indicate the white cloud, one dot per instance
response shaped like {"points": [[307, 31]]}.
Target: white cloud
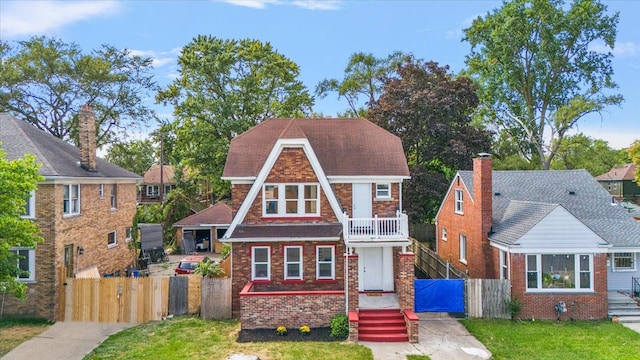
{"points": [[159, 58], [458, 33], [624, 49], [19, 18], [305, 4]]}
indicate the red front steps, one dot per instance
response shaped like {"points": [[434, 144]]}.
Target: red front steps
{"points": [[378, 325]]}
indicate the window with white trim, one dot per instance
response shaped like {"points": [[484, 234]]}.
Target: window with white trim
{"points": [[443, 231], [260, 263], [71, 200], [167, 189], [293, 262], [463, 248], [559, 272], [624, 261], [383, 191], [153, 190], [112, 239], [101, 191], [290, 200], [30, 206], [325, 262], [114, 196], [504, 265], [127, 234], [26, 263], [459, 203]]}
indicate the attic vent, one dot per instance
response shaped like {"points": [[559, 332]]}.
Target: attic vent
{"points": [[496, 193], [572, 192], [613, 201]]}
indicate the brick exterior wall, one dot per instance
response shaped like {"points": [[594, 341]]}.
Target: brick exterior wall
{"points": [[404, 280], [580, 306], [353, 295], [268, 311], [87, 230]]}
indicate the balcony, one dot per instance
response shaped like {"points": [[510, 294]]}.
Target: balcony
{"points": [[376, 230]]}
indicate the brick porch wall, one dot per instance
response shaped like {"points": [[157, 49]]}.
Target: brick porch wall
{"points": [[292, 309], [354, 298], [404, 281]]}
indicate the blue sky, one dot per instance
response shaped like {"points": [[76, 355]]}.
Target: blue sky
{"points": [[318, 35]]}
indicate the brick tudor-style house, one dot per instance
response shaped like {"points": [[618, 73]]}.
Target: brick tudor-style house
{"points": [[318, 226], [84, 208], [558, 236]]}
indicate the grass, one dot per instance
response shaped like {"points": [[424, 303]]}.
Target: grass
{"points": [[15, 331], [418, 357], [193, 338], [541, 340]]}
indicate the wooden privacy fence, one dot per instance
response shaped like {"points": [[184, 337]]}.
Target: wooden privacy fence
{"points": [[143, 299], [487, 298], [427, 261]]}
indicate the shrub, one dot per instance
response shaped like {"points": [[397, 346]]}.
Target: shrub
{"points": [[340, 326], [226, 249], [513, 306], [208, 268], [281, 330], [305, 330]]}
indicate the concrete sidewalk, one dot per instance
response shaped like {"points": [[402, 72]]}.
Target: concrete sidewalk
{"points": [[441, 338], [65, 341]]}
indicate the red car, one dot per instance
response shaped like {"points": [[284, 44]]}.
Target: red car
{"points": [[189, 263]]}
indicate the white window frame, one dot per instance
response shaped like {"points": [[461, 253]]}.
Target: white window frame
{"points": [[127, 233], [627, 255], [281, 200], [114, 196], [463, 248], [31, 257], [504, 265], [254, 263], [458, 201], [443, 233], [167, 189], [382, 192], [288, 262], [30, 206], [577, 271], [332, 262], [115, 239], [153, 190], [101, 191], [68, 198]]}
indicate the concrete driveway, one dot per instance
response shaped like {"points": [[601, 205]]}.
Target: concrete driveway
{"points": [[69, 340], [441, 338]]}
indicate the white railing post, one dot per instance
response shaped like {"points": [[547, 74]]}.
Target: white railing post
{"points": [[345, 226], [376, 230]]}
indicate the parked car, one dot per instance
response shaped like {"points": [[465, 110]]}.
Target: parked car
{"points": [[189, 263]]}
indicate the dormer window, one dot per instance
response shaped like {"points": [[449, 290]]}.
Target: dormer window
{"points": [[291, 200], [459, 203]]}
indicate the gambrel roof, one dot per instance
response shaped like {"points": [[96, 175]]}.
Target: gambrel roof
{"points": [[521, 199], [58, 158], [619, 172], [344, 147]]}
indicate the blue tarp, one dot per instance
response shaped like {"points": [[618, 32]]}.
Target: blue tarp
{"points": [[439, 295]]}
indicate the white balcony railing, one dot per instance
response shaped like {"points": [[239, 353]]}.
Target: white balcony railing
{"points": [[376, 228]]}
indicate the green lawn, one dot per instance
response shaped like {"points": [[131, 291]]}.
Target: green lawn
{"points": [[555, 340], [14, 332], [192, 338]]}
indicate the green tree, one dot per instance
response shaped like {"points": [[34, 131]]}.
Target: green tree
{"points": [[539, 71], [363, 76], [634, 154], [136, 155], [431, 111], [582, 152], [18, 179], [225, 87], [45, 82]]}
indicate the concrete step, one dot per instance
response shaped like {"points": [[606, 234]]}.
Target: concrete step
{"points": [[624, 312], [629, 319], [384, 337]]}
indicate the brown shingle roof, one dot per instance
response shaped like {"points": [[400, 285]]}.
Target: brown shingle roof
{"points": [[624, 172], [152, 176], [344, 147], [219, 213], [283, 231]]}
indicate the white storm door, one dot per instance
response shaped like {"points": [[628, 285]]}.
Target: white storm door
{"points": [[370, 269]]}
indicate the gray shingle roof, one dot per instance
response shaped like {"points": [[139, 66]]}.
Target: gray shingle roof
{"points": [[58, 158], [525, 197]]}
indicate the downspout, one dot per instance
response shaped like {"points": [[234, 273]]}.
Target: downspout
{"points": [[346, 281]]}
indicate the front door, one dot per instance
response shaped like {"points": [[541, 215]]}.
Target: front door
{"points": [[361, 201], [370, 269]]}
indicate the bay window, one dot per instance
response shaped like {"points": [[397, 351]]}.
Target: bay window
{"points": [[290, 200], [559, 272]]}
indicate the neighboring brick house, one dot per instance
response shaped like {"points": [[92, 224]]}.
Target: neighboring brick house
{"points": [[157, 183], [318, 221], [557, 235], [620, 183], [84, 208]]}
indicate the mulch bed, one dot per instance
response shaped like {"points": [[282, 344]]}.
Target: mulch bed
{"points": [[263, 335]]}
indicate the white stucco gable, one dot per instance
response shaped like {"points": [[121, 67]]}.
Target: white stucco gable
{"points": [[559, 231]]}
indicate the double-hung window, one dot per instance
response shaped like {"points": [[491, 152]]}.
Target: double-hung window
{"points": [[559, 272], [101, 191], [459, 203], [624, 261], [463, 248], [261, 263], [153, 190], [112, 240], [114, 196], [444, 233], [26, 263], [293, 262], [504, 265], [127, 234], [325, 263], [383, 191], [71, 202], [291, 200], [30, 206]]}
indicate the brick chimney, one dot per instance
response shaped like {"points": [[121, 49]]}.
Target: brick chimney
{"points": [[482, 190], [87, 130]]}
